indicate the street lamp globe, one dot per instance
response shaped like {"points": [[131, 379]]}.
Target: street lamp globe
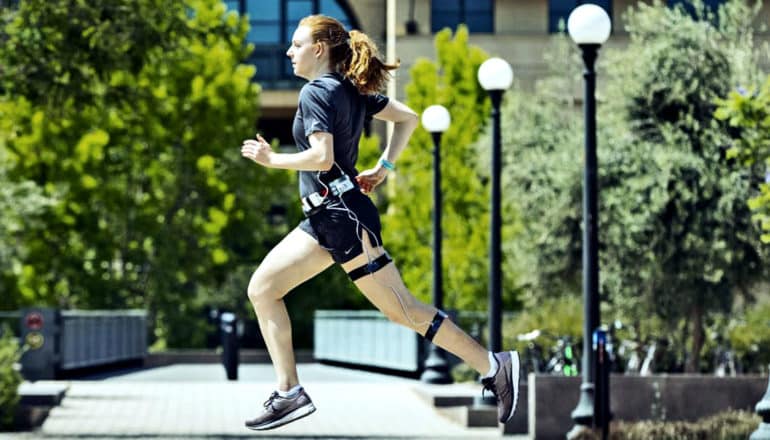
{"points": [[589, 24], [436, 119], [495, 74]]}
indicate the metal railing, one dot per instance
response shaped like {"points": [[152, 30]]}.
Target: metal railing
{"points": [[365, 337], [91, 338], [58, 340]]}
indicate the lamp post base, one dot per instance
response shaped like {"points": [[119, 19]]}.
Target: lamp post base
{"points": [[763, 409], [580, 432], [762, 433], [583, 414]]}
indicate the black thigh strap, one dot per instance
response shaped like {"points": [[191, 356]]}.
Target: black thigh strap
{"points": [[372, 267], [434, 325]]}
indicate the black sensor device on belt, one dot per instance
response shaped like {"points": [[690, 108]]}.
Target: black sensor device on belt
{"points": [[438, 319], [312, 203], [370, 267]]}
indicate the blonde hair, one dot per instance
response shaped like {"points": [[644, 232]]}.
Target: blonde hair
{"points": [[352, 53]]}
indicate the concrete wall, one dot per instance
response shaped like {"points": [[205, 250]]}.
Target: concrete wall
{"points": [[551, 399]]}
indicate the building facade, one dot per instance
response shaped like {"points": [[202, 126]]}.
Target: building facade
{"points": [[516, 30]]}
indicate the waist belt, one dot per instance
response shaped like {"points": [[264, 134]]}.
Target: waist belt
{"points": [[312, 203]]}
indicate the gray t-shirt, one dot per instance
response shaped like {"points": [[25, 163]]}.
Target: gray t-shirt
{"points": [[332, 104]]}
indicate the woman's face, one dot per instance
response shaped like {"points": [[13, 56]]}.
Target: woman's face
{"points": [[302, 53]]}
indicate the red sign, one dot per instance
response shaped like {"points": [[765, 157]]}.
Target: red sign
{"points": [[34, 321]]}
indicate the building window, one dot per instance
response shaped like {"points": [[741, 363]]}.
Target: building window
{"points": [[559, 10], [478, 15], [272, 23]]}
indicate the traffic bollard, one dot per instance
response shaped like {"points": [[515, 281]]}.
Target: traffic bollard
{"points": [[228, 330]]}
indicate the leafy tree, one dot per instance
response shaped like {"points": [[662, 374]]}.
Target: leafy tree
{"points": [[129, 115], [23, 206], [675, 237], [10, 378], [749, 336], [542, 144], [748, 115], [449, 81], [668, 184]]}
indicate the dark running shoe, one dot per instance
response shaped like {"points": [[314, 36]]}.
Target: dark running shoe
{"points": [[282, 410], [505, 384]]}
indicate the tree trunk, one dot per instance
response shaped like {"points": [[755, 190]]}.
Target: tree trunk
{"points": [[696, 317]]}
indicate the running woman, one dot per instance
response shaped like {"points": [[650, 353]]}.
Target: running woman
{"points": [[345, 76]]}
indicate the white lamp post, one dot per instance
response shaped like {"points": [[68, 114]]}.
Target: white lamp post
{"points": [[436, 120], [495, 76], [589, 26], [763, 409]]}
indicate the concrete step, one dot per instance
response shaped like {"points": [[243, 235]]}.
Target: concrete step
{"points": [[470, 416], [42, 393], [457, 402], [35, 402]]}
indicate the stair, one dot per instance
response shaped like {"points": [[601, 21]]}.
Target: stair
{"points": [[456, 402]]}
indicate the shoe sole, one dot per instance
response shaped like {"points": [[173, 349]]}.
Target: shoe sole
{"points": [[297, 414], [515, 368]]}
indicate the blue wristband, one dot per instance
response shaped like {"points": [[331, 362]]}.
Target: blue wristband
{"points": [[387, 164]]}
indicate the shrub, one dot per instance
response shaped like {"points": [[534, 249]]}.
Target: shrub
{"points": [[729, 425], [10, 378]]}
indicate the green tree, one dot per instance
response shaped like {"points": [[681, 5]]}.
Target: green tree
{"points": [[748, 114], [542, 146], [23, 206], [449, 81], [675, 237], [10, 378], [670, 193], [129, 115]]}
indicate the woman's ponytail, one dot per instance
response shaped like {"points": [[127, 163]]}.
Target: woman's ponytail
{"points": [[352, 53], [364, 67]]}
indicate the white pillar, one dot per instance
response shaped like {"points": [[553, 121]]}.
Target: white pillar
{"points": [[390, 42]]}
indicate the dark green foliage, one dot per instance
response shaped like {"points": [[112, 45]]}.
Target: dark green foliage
{"points": [[10, 378], [676, 237], [542, 147], [748, 334], [128, 115]]}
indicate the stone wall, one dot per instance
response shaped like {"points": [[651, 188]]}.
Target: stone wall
{"points": [[551, 399]]}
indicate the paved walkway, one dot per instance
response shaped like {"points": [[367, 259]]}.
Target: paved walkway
{"points": [[196, 401]]}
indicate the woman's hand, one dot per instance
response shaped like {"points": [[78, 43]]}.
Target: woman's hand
{"points": [[257, 150], [369, 179]]}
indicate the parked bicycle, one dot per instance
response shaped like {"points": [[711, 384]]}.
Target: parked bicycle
{"points": [[560, 358]]}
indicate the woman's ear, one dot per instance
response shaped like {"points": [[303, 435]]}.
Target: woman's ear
{"points": [[319, 49]]}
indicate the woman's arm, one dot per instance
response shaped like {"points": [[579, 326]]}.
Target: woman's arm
{"points": [[404, 120], [319, 157]]}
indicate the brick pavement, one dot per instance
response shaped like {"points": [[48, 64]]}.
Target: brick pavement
{"points": [[196, 402]]}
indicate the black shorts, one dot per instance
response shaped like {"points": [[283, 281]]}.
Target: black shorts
{"points": [[340, 226]]}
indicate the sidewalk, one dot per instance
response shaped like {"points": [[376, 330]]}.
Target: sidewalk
{"points": [[196, 401]]}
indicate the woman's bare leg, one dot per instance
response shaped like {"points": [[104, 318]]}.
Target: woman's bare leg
{"points": [[385, 287], [297, 258]]}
